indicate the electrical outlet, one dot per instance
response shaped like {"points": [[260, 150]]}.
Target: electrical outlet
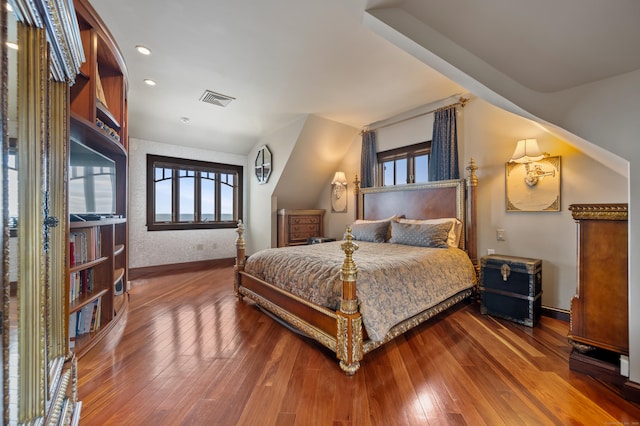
{"points": [[624, 365], [500, 234], [199, 247], [491, 251]]}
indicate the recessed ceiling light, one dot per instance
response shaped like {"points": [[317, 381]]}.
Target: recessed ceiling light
{"points": [[12, 45], [149, 82], [185, 120], [143, 49]]}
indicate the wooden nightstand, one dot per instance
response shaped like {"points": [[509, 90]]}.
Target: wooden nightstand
{"points": [[295, 227], [511, 288]]}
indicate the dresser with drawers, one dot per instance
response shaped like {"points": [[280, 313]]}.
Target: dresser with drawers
{"points": [[295, 227]]}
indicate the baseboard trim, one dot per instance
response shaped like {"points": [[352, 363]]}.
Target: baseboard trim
{"points": [[599, 364], [632, 391], [150, 271], [559, 314]]}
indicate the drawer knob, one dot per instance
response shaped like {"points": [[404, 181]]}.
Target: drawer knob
{"points": [[505, 271]]}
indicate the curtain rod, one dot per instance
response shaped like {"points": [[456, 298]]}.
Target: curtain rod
{"points": [[461, 102]]}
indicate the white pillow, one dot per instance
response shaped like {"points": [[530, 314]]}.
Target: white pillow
{"points": [[453, 239]]}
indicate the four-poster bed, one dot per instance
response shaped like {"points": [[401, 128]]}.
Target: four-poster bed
{"points": [[349, 319]]}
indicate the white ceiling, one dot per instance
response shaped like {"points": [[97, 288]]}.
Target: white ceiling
{"points": [[283, 58]]}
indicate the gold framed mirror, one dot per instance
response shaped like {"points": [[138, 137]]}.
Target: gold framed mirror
{"points": [[38, 374]]}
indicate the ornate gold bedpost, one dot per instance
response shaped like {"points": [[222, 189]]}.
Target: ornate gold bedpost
{"points": [[356, 191], [349, 339], [472, 230], [240, 258]]}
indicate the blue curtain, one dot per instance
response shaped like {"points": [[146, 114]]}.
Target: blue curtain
{"points": [[443, 161], [368, 160]]}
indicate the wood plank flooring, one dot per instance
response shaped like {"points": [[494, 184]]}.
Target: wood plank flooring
{"points": [[191, 353]]}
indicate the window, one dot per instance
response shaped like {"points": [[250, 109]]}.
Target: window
{"points": [[409, 164], [191, 194]]}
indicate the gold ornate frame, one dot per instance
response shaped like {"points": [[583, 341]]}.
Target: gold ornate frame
{"points": [[43, 391], [544, 196]]}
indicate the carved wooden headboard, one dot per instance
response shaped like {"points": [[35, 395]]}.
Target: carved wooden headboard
{"points": [[422, 201]]}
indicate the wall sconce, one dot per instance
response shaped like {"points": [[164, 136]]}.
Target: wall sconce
{"points": [[527, 151], [339, 183], [338, 202]]}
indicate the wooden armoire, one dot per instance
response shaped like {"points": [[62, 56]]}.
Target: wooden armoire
{"points": [[600, 309]]}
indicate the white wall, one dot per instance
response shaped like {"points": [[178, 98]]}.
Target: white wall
{"points": [[149, 248], [490, 137], [261, 215], [335, 224], [306, 154]]}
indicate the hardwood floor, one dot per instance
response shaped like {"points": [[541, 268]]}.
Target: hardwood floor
{"points": [[191, 353]]}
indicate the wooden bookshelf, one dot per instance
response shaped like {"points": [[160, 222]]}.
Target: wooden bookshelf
{"points": [[84, 300], [86, 265], [106, 269], [118, 249], [98, 120]]}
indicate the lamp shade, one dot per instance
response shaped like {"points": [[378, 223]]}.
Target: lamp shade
{"points": [[527, 150], [340, 178]]}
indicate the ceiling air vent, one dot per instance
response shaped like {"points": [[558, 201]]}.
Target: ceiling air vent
{"points": [[216, 98]]}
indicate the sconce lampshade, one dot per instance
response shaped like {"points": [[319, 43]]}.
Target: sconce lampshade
{"points": [[527, 151], [339, 178]]}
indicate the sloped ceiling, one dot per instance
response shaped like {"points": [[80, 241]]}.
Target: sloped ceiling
{"points": [[319, 148], [544, 45]]}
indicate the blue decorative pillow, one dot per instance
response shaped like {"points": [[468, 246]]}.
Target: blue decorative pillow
{"points": [[375, 232], [425, 235]]}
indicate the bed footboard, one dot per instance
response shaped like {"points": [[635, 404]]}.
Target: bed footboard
{"points": [[349, 345], [348, 333]]}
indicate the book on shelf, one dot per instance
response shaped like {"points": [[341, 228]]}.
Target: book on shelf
{"points": [[81, 283], [86, 320], [79, 247], [72, 250], [73, 329], [84, 245], [95, 318], [73, 287]]}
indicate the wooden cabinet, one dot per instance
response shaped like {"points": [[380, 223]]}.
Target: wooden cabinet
{"points": [[599, 310], [295, 227], [98, 118], [99, 95]]}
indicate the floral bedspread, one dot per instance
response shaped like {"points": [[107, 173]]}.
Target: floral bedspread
{"points": [[394, 281]]}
